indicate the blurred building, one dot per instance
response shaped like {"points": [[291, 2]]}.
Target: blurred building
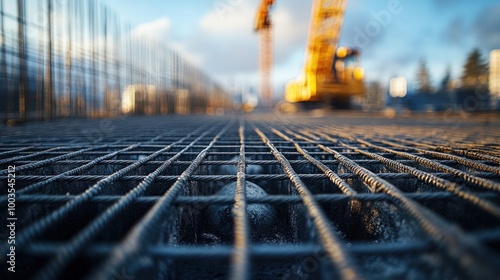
{"points": [[398, 87], [375, 98], [494, 79], [146, 100], [112, 103]]}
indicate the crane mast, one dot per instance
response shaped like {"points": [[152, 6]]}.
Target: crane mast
{"points": [[263, 26]]}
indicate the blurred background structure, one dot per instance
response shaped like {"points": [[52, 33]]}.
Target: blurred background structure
{"points": [[61, 59], [494, 78], [78, 59]]}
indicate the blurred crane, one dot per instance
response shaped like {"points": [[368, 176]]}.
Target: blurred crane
{"points": [[331, 74], [264, 27]]}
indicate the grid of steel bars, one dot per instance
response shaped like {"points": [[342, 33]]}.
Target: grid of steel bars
{"points": [[61, 59], [353, 201]]}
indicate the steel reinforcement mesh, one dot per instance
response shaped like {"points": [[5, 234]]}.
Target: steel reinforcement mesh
{"points": [[252, 197]]}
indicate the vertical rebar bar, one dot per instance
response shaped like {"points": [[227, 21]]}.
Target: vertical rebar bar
{"points": [[40, 63], [69, 64], [83, 100], [49, 86], [58, 78], [128, 55], [3, 58], [93, 24], [79, 53], [117, 59], [107, 95], [22, 59]]}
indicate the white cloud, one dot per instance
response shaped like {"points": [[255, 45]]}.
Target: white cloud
{"points": [[290, 34], [157, 29], [230, 45], [186, 53], [226, 46], [228, 19]]}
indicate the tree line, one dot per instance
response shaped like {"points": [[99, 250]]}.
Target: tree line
{"points": [[474, 75]]}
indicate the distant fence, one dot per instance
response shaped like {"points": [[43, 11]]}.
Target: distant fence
{"points": [[78, 59]]}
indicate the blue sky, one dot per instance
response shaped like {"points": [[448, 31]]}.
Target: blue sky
{"points": [[217, 34]]}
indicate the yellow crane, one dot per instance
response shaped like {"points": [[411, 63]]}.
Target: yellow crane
{"points": [[264, 27], [331, 74]]}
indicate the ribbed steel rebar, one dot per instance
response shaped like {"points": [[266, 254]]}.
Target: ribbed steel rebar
{"points": [[332, 245], [141, 234], [352, 200]]}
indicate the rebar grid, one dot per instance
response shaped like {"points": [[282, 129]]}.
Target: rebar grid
{"points": [[351, 199]]}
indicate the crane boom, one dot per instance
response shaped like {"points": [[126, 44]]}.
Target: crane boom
{"points": [[327, 17], [263, 18]]}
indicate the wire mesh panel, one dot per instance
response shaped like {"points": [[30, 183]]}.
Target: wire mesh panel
{"points": [[251, 197]]}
